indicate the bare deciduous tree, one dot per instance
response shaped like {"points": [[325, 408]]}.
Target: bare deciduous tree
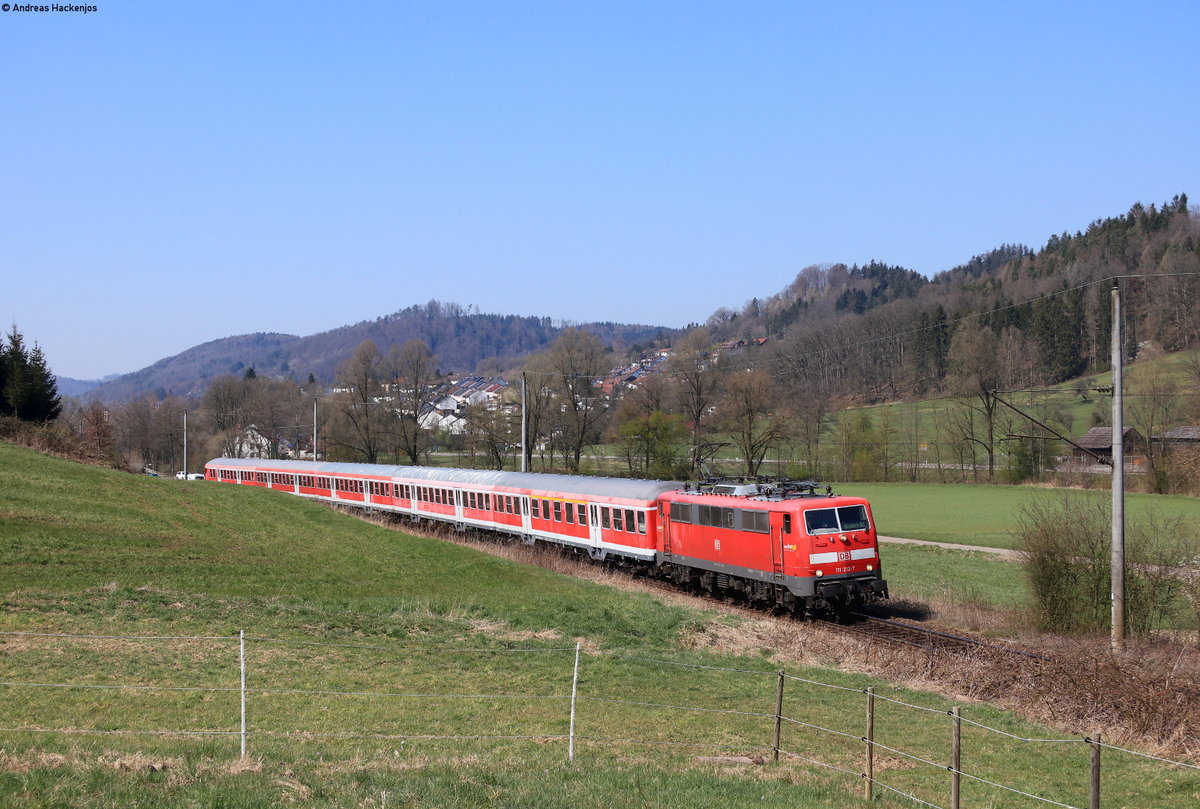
{"points": [[749, 410], [574, 362], [697, 379], [414, 380], [362, 422]]}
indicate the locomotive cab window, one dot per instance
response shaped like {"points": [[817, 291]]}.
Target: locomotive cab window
{"points": [[853, 518], [832, 520]]}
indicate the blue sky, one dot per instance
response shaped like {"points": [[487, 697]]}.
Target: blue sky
{"points": [[172, 173]]}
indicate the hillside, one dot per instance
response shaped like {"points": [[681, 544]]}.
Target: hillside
{"points": [[1009, 318], [460, 339]]}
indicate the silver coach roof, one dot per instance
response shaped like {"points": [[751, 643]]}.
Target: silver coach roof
{"points": [[572, 484]]}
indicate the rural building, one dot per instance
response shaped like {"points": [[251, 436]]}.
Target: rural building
{"points": [[1099, 440]]}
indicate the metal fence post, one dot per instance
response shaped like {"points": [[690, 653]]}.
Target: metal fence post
{"points": [[574, 694], [778, 714], [1094, 786], [955, 757], [869, 774], [242, 665]]}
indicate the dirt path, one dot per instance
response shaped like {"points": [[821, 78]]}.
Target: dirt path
{"points": [[954, 546]]}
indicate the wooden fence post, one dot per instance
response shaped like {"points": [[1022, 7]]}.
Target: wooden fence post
{"points": [[869, 774], [956, 758], [574, 696], [1094, 786], [778, 714], [242, 667]]}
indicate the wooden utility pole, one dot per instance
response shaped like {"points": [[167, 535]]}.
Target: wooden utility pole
{"points": [[524, 423], [1118, 480]]}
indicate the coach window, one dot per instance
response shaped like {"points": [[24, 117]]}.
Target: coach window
{"points": [[618, 523], [604, 523], [581, 511], [641, 522], [570, 509], [557, 511]]}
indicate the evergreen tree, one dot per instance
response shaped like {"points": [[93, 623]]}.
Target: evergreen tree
{"points": [[5, 407], [30, 391]]}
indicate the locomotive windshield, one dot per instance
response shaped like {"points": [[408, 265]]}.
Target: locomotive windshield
{"points": [[832, 520]]}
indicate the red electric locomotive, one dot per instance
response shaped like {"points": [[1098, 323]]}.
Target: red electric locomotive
{"points": [[780, 544], [775, 543]]}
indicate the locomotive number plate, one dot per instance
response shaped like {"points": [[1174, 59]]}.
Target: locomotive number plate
{"points": [[843, 556]]}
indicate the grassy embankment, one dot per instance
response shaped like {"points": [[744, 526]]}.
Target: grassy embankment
{"points": [[89, 551]]}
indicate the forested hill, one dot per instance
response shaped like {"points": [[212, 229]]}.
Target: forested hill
{"points": [[1012, 317], [461, 340]]}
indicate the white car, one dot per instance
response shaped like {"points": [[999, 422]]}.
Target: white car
{"points": [[189, 476]]}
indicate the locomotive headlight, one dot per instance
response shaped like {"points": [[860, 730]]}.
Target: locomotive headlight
{"points": [[820, 574], [870, 568]]}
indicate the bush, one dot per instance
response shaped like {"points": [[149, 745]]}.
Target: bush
{"points": [[1066, 552]]}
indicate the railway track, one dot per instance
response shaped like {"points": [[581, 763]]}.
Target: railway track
{"points": [[886, 630]]}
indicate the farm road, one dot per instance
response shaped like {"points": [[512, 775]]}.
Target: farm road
{"points": [[954, 546]]}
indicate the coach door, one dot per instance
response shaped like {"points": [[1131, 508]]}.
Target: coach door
{"points": [[526, 522], [594, 536], [458, 504]]}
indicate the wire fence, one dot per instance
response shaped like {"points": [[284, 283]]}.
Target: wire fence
{"points": [[255, 690]]}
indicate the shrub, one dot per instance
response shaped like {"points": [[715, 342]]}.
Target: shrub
{"points": [[1066, 553]]}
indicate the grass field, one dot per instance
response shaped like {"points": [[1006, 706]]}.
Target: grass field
{"points": [[359, 636], [988, 515]]}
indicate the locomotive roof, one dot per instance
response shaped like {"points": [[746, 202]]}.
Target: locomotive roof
{"points": [[624, 488]]}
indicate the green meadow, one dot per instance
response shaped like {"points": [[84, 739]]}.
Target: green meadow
{"points": [[385, 669]]}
